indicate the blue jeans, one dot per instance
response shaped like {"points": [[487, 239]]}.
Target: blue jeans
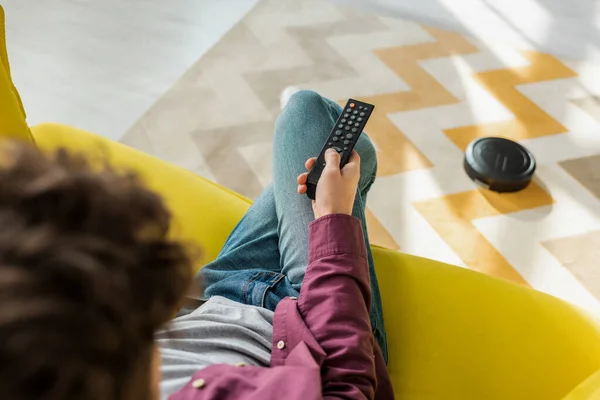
{"points": [[266, 255]]}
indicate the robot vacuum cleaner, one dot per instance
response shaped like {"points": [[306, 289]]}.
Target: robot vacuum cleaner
{"points": [[499, 164]]}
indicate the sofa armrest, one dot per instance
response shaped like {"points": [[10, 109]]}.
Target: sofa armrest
{"points": [[12, 113], [204, 212], [587, 390]]}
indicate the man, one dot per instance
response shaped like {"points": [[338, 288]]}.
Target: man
{"points": [[88, 276]]}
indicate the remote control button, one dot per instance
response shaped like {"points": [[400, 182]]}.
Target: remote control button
{"points": [[349, 136], [324, 164], [356, 112], [329, 144], [338, 132], [352, 105], [346, 148], [348, 110], [357, 124], [353, 117], [347, 128], [359, 119], [337, 149], [362, 114], [343, 120], [346, 115], [340, 126], [335, 138], [354, 130], [346, 142]]}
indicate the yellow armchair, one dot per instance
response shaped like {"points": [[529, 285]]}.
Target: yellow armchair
{"points": [[454, 334]]}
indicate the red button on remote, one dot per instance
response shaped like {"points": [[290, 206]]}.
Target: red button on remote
{"points": [[351, 105]]}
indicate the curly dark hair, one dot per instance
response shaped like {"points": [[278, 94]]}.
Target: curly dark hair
{"points": [[87, 276]]}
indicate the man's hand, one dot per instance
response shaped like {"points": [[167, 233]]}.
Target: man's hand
{"points": [[337, 188]]}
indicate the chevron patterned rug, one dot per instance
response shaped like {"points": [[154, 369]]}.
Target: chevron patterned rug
{"points": [[435, 91]]}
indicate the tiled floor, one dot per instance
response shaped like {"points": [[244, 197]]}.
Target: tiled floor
{"points": [[100, 65]]}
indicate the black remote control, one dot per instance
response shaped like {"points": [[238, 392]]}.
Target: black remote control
{"points": [[343, 138]]}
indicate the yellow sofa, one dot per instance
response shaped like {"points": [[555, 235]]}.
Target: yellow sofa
{"points": [[454, 334]]}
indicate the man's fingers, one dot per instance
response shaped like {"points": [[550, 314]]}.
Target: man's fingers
{"points": [[353, 161], [354, 158], [332, 159], [302, 178], [310, 163], [352, 168], [302, 189]]}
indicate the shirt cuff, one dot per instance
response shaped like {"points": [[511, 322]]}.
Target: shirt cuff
{"points": [[335, 234]]}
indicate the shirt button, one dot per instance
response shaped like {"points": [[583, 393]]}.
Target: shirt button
{"points": [[293, 298], [240, 364], [281, 345], [198, 383]]}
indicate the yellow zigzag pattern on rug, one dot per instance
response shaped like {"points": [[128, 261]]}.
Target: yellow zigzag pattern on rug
{"points": [[451, 216], [396, 152]]}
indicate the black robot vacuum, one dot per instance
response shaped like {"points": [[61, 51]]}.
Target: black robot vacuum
{"points": [[499, 164]]}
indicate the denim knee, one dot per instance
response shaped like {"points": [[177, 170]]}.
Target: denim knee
{"points": [[306, 99], [304, 108], [368, 156]]}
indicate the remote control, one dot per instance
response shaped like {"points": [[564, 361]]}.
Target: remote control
{"points": [[343, 138]]}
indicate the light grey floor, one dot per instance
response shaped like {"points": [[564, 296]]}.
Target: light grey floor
{"points": [[567, 28], [100, 64]]}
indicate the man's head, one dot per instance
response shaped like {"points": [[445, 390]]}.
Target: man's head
{"points": [[87, 275]]}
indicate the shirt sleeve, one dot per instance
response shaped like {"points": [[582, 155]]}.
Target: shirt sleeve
{"points": [[334, 303]]}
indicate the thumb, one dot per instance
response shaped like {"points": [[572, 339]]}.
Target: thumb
{"points": [[332, 159]]}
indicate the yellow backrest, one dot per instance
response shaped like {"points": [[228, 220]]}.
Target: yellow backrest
{"points": [[12, 113]]}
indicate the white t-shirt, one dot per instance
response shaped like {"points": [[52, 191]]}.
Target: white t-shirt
{"points": [[221, 331]]}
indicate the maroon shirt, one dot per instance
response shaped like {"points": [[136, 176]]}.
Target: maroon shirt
{"points": [[323, 347]]}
